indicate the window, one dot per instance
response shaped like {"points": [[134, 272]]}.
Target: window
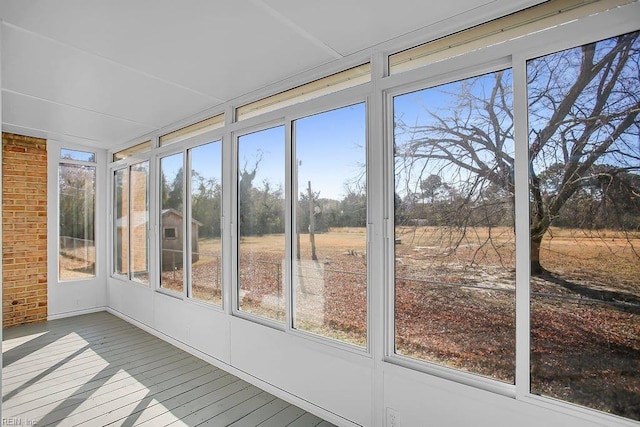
{"points": [[121, 222], [193, 130], [139, 224], [172, 216], [454, 226], [536, 18], [330, 84], [77, 200], [82, 156], [197, 195], [585, 234], [330, 278], [170, 232], [128, 152], [261, 223], [206, 216], [131, 222]]}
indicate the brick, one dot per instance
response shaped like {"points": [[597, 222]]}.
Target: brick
{"points": [[24, 228]]}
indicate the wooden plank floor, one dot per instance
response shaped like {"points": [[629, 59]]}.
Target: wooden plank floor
{"points": [[99, 370]]}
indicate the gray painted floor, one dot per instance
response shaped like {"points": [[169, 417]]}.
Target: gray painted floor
{"points": [[99, 370]]}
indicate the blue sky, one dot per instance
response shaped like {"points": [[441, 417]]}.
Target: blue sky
{"points": [[207, 160], [330, 148], [330, 151]]}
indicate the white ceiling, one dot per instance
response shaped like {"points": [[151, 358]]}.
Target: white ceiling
{"points": [[103, 73]]}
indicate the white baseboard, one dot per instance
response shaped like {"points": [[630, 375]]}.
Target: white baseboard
{"points": [[76, 313]]}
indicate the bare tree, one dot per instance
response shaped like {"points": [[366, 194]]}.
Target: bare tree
{"points": [[583, 119]]}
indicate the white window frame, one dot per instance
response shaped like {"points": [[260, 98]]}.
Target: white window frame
{"points": [[210, 137], [157, 215], [432, 368], [126, 166], [235, 229], [285, 117], [93, 164], [184, 147], [513, 54]]}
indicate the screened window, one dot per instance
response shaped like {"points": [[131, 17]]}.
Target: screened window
{"points": [[330, 84], [206, 215], [585, 229], [139, 223], [83, 156], [192, 130], [261, 223], [131, 222], [77, 200], [172, 217], [128, 152], [536, 18], [454, 226], [330, 279], [121, 222]]}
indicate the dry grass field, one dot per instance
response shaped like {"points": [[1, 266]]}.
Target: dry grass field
{"points": [[77, 264], [455, 304]]}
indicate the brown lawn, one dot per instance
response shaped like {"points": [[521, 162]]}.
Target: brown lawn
{"points": [[455, 304]]}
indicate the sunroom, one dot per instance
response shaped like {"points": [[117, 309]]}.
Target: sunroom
{"points": [[270, 212]]}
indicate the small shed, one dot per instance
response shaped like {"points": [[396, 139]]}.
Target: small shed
{"points": [[173, 239]]}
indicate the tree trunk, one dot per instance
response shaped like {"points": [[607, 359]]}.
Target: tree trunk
{"points": [[536, 267]]}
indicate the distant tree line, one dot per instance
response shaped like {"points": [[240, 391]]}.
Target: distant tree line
{"points": [[608, 199], [261, 205], [206, 200], [76, 186]]}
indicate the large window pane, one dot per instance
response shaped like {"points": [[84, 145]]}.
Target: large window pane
{"points": [[139, 224], [331, 214], [172, 222], [121, 222], [585, 229], [454, 226], [261, 222], [77, 186], [206, 203]]}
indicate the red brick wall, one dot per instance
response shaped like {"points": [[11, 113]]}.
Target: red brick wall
{"points": [[24, 229]]}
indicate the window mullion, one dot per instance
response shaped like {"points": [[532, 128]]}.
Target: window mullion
{"points": [[289, 223], [521, 180], [129, 254], [186, 224]]}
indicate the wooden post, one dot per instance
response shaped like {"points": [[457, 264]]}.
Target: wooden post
{"points": [[312, 225]]}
